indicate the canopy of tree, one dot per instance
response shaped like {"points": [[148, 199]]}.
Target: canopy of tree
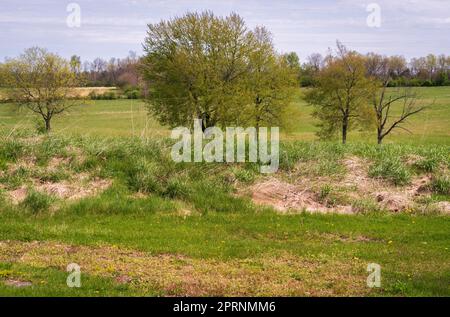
{"points": [[215, 69]]}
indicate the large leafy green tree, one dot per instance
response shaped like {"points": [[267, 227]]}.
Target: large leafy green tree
{"points": [[211, 68], [193, 65]]}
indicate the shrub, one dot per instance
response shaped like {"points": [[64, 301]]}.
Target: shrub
{"points": [[427, 83], [109, 95], [133, 94]]}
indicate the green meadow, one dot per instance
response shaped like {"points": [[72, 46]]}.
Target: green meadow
{"points": [[101, 191], [126, 117]]}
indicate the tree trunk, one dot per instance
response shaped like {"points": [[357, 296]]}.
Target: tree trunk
{"points": [[380, 137], [47, 125], [344, 130]]}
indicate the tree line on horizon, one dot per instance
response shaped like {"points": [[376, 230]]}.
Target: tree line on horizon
{"points": [[216, 69]]}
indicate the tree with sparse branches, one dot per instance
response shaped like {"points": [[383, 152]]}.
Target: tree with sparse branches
{"points": [[42, 82], [382, 69], [341, 94]]}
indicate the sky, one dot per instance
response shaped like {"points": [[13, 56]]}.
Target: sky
{"points": [[112, 28]]}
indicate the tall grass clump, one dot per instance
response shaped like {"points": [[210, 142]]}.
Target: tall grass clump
{"points": [[37, 202], [441, 185], [10, 150], [391, 169], [326, 157]]}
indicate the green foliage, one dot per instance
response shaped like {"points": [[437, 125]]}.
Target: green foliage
{"points": [[215, 69], [441, 185], [42, 82], [109, 95], [340, 95], [391, 169], [15, 178], [37, 202], [11, 149]]}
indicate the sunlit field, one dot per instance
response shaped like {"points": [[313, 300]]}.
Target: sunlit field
{"points": [[102, 191], [126, 117]]}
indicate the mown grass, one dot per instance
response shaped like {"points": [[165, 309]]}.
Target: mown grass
{"points": [[412, 251], [52, 282]]}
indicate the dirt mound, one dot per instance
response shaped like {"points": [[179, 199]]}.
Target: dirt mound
{"points": [[356, 185], [18, 195], [284, 197], [63, 190], [393, 202], [72, 191]]}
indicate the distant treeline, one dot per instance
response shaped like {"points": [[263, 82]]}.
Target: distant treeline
{"points": [[115, 72], [426, 71]]}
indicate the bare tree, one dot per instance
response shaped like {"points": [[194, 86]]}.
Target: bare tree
{"points": [[382, 70], [383, 102]]}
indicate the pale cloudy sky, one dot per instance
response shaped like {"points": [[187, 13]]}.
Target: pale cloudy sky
{"points": [[114, 27]]}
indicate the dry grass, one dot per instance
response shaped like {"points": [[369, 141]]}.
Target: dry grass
{"points": [[178, 275]]}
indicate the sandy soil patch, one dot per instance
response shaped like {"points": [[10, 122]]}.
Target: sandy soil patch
{"points": [[301, 194], [284, 197]]}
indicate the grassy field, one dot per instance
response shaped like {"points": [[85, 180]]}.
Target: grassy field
{"points": [[139, 224], [129, 118]]}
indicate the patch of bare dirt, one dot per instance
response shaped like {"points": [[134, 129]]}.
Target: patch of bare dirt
{"points": [[26, 163], [17, 283], [177, 275], [56, 162], [284, 197], [443, 207], [18, 195], [67, 190], [356, 185], [74, 190]]}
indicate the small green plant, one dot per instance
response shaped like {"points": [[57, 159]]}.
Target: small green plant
{"points": [[39, 125], [398, 288], [37, 202], [428, 165], [244, 175], [441, 185], [11, 149], [391, 169], [325, 192]]}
